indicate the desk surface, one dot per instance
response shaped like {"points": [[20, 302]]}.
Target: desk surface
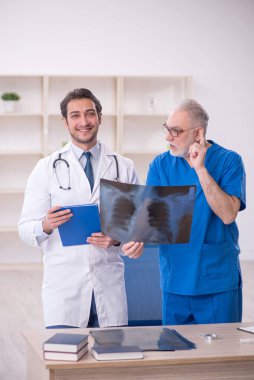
{"points": [[227, 349]]}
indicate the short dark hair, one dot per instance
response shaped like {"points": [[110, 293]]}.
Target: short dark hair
{"points": [[79, 93]]}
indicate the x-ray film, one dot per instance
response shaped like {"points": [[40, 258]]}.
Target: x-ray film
{"points": [[149, 214]]}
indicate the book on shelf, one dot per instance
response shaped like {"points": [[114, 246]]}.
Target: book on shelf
{"points": [[68, 356], [249, 329], [85, 221], [63, 342], [104, 352]]}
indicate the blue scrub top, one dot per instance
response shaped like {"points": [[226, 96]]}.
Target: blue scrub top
{"points": [[209, 262]]}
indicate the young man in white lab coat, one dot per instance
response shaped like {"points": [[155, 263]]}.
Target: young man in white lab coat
{"points": [[83, 286]]}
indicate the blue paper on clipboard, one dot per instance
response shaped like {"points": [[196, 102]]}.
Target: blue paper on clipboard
{"points": [[85, 221]]}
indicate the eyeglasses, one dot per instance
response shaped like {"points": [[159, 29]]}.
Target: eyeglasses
{"points": [[174, 132]]}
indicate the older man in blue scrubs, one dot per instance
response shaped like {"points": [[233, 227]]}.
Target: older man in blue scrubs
{"points": [[201, 280]]}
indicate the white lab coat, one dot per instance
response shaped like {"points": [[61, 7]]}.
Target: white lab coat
{"points": [[72, 273]]}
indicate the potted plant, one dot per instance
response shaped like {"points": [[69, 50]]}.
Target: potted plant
{"points": [[9, 100]]}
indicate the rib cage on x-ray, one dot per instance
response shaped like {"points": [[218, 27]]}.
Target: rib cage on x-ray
{"points": [[152, 214], [122, 212]]}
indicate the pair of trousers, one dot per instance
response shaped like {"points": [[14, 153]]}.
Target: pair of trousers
{"points": [[224, 307]]}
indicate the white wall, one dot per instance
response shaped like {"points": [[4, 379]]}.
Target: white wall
{"points": [[212, 40]]}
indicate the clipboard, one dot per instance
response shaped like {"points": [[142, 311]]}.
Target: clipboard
{"points": [[85, 221]]}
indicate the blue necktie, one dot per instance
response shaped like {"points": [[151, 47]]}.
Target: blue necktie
{"points": [[89, 169]]}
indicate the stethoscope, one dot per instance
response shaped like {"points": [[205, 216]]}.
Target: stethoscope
{"points": [[68, 187]]}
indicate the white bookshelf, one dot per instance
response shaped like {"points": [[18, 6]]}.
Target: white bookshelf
{"points": [[134, 108]]}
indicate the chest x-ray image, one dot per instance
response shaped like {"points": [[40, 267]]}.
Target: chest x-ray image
{"points": [[151, 214]]}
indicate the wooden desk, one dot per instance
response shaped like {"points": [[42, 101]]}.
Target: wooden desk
{"points": [[226, 358]]}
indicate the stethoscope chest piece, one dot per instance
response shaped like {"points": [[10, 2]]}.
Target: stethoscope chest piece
{"points": [[210, 337]]}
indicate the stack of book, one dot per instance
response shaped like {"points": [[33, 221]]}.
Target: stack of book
{"points": [[63, 346]]}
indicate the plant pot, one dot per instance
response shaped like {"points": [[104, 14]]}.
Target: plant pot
{"points": [[9, 106]]}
